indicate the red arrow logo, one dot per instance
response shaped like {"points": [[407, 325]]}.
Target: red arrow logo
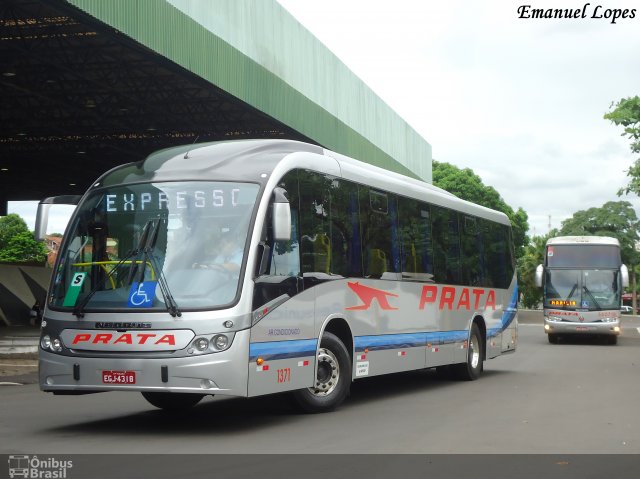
{"points": [[367, 295]]}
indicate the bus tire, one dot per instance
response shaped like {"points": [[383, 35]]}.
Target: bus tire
{"points": [[333, 377], [553, 338], [172, 401], [472, 368]]}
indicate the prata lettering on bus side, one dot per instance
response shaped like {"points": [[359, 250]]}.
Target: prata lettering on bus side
{"points": [[447, 297], [443, 297]]}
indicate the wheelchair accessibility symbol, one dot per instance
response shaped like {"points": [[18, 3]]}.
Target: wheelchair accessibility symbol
{"points": [[141, 294]]}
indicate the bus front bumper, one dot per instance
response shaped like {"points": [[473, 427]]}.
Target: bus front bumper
{"points": [[570, 327], [223, 373]]}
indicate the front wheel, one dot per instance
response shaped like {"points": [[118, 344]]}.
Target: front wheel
{"points": [[333, 377], [472, 368], [172, 401]]}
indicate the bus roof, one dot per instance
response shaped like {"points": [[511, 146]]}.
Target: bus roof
{"points": [[592, 240], [255, 160]]}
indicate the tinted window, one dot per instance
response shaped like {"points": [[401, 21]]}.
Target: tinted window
{"points": [[346, 257], [415, 234], [446, 245], [583, 256], [330, 236], [472, 245], [379, 231]]}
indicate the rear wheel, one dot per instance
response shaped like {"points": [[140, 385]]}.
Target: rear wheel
{"points": [[173, 401], [333, 377], [472, 368]]}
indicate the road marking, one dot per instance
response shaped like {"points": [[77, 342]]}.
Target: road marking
{"points": [[10, 384], [19, 365]]}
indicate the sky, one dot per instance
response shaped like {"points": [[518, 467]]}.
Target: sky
{"points": [[519, 101]]}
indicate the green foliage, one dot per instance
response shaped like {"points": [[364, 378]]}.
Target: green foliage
{"points": [[465, 184], [626, 113], [17, 244], [533, 255], [615, 218], [10, 225]]}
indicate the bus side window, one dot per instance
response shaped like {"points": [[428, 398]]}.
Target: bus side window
{"points": [[346, 252], [415, 240], [379, 231], [472, 251], [329, 228], [315, 229], [446, 245]]}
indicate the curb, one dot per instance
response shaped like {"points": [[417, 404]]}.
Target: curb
{"points": [[19, 347]]}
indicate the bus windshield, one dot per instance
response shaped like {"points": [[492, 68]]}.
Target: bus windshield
{"points": [[582, 289], [156, 244]]}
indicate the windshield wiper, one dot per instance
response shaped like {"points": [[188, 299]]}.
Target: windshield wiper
{"points": [[79, 309], [573, 290], [145, 246], [147, 255], [144, 239], [565, 301], [586, 290]]}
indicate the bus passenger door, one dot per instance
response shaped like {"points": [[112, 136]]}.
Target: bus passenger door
{"points": [[281, 352]]}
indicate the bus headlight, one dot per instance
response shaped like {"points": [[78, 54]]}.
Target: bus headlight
{"points": [[56, 345], [201, 344], [220, 342], [51, 344]]}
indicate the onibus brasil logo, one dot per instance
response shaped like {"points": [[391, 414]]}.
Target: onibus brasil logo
{"points": [[38, 468]]}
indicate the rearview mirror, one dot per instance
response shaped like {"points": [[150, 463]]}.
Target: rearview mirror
{"points": [[624, 273], [42, 215], [281, 215], [539, 271]]}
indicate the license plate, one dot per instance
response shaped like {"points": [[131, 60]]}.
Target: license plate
{"points": [[582, 328], [119, 377]]}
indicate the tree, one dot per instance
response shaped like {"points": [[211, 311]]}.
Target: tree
{"points": [[465, 184], [627, 114], [615, 218], [10, 225], [530, 294], [17, 244]]}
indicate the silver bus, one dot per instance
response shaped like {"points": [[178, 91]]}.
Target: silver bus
{"points": [[254, 267], [582, 279]]}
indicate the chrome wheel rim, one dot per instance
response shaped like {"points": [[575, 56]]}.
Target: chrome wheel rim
{"points": [[328, 373], [474, 352]]}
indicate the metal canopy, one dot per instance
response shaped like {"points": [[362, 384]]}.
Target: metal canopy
{"points": [[78, 98]]}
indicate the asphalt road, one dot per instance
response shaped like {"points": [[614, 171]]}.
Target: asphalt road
{"points": [[580, 397]]}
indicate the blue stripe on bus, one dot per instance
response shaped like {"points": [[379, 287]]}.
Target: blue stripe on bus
{"points": [[283, 349], [307, 347], [408, 340], [508, 315]]}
